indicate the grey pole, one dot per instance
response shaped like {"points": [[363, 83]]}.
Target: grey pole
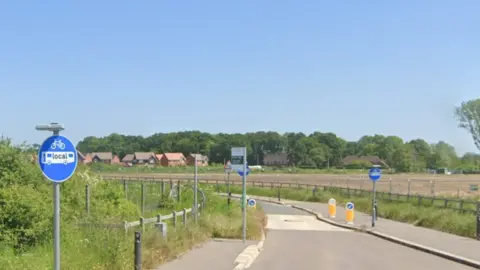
{"points": [[374, 209], [56, 220], [55, 128], [244, 196], [195, 188]]}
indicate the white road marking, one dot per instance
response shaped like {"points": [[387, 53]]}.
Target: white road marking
{"points": [[299, 223]]}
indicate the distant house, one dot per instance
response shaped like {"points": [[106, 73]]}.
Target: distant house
{"points": [[373, 160], [159, 157], [128, 159], [105, 157], [173, 159], [145, 158], [81, 158], [201, 160], [276, 159]]}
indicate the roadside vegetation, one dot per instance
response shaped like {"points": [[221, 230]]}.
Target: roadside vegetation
{"points": [[425, 215], [26, 220]]}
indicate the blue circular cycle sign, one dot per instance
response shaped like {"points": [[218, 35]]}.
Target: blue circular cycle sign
{"points": [[350, 206], [57, 158], [374, 174]]}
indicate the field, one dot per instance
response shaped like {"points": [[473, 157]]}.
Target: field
{"points": [[424, 184]]}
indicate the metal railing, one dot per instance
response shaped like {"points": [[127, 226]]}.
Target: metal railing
{"points": [[158, 220]]}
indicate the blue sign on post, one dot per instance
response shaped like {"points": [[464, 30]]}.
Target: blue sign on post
{"points": [[240, 172], [251, 202], [349, 206], [374, 174], [57, 158]]}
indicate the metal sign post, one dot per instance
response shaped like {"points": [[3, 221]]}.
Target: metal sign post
{"points": [[58, 159], [239, 156], [195, 188], [374, 174]]}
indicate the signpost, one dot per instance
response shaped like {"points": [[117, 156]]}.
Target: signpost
{"points": [[374, 174], [349, 214], [58, 159], [239, 163]]}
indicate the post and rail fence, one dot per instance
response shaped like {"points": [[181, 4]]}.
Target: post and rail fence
{"points": [[463, 205], [456, 203], [146, 195]]}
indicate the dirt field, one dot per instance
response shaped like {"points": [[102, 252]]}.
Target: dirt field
{"points": [[454, 185]]}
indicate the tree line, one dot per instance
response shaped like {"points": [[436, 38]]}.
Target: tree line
{"points": [[318, 150]]}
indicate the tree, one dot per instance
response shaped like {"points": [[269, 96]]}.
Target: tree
{"points": [[402, 159], [468, 116], [319, 149]]}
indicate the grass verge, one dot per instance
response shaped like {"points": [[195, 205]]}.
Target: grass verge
{"points": [[91, 248], [424, 215], [215, 168]]}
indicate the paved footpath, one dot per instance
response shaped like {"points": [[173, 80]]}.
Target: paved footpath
{"points": [[299, 241], [457, 245], [216, 254]]}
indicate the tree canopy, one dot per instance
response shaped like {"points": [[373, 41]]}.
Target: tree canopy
{"points": [[317, 150], [468, 116]]}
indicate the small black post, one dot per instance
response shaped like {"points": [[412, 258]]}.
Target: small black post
{"points": [[376, 210], [87, 199], [478, 220], [229, 198], [278, 193], [138, 251]]}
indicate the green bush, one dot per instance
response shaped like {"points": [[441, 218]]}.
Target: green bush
{"points": [[26, 220], [26, 200]]}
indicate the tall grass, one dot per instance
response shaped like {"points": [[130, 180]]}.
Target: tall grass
{"points": [[97, 248]]}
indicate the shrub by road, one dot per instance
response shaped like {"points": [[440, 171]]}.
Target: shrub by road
{"points": [[26, 221]]}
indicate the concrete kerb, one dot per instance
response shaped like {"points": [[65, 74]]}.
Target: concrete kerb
{"points": [[429, 250], [436, 252], [249, 254], [433, 251]]}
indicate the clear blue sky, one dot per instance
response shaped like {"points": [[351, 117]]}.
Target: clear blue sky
{"points": [[141, 67]]}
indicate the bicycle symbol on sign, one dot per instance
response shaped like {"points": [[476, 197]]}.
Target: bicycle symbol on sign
{"points": [[58, 143]]}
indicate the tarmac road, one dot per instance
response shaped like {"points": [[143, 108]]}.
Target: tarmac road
{"points": [[297, 241]]}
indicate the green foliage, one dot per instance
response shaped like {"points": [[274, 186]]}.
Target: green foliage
{"points": [[317, 150], [26, 200], [26, 219], [468, 116]]}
